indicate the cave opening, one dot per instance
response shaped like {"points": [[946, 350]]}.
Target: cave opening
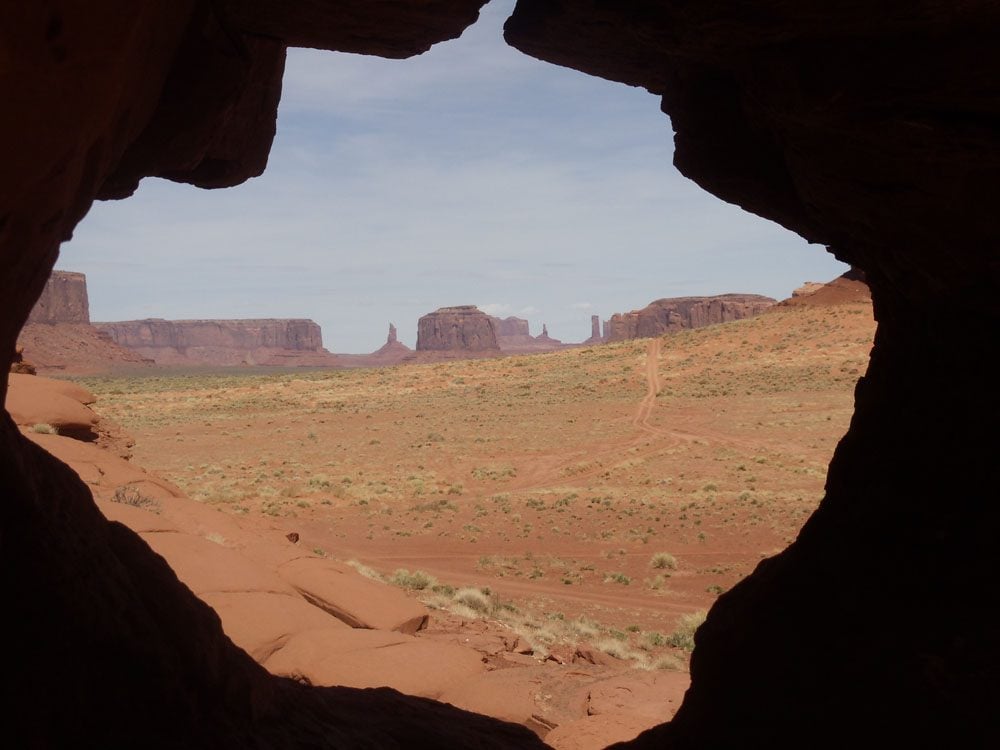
{"points": [[864, 134]]}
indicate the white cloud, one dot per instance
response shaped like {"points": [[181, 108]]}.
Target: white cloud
{"points": [[495, 308], [397, 187]]}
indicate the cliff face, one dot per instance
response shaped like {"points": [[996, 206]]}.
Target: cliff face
{"points": [[511, 326], [268, 341], [63, 300], [678, 313], [462, 328]]}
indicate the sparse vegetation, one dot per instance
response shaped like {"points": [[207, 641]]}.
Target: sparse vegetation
{"points": [[130, 495], [663, 561]]}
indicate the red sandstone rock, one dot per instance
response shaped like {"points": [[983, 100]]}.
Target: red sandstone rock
{"points": [[848, 288], [348, 596], [261, 622], [63, 300], [679, 313], [291, 342], [598, 732], [374, 658], [514, 337], [464, 328], [208, 567], [596, 337], [33, 400]]}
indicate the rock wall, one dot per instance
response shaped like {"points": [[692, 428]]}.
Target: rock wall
{"points": [[63, 300], [511, 326], [871, 135], [678, 313], [464, 328], [268, 341]]}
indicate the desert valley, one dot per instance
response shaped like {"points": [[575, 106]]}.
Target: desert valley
{"points": [[536, 529]]}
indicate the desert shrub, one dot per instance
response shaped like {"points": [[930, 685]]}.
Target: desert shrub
{"points": [[653, 639], [663, 561], [418, 580], [45, 429], [669, 663], [364, 570], [474, 599], [130, 495], [683, 636], [621, 578]]}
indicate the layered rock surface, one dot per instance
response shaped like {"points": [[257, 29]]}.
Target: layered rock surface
{"points": [[58, 336], [462, 328], [678, 313], [514, 337], [268, 341], [63, 300]]}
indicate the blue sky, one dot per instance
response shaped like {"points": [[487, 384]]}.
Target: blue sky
{"points": [[472, 174]]}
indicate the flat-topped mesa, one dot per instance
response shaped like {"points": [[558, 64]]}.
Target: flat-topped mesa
{"points": [[679, 313], [462, 328], [267, 341], [64, 300]]}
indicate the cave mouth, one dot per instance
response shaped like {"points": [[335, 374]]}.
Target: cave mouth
{"points": [[471, 172], [864, 135]]}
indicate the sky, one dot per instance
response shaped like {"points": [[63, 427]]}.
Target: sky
{"points": [[472, 174]]}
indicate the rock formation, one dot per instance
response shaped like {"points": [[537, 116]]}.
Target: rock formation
{"points": [[596, 337], [678, 313], [63, 300], [463, 328], [847, 288], [514, 337], [872, 134], [392, 351], [268, 341], [58, 336], [868, 136]]}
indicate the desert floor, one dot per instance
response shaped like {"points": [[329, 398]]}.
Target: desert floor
{"points": [[603, 492]]}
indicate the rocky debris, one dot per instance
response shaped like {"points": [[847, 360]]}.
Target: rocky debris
{"points": [[20, 365], [679, 313], [848, 288], [269, 341], [63, 300], [462, 328]]}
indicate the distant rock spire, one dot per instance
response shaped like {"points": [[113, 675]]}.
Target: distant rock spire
{"points": [[545, 331], [595, 327], [392, 334]]}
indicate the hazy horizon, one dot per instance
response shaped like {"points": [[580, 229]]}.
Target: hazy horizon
{"points": [[472, 174]]}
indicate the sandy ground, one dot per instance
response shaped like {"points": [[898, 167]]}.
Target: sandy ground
{"points": [[557, 480]]}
